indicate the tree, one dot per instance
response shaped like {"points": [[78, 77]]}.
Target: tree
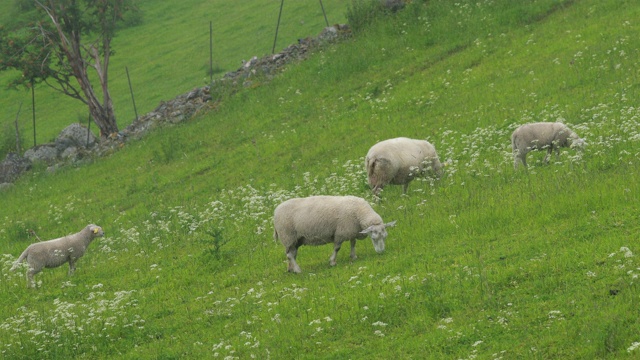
{"points": [[70, 38]]}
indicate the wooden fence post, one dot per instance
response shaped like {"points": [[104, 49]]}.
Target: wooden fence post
{"points": [[324, 13], [210, 52], [18, 147], [133, 99], [33, 110], [277, 26]]}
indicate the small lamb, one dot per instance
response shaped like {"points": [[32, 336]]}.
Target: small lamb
{"points": [[397, 161], [542, 135], [53, 253], [319, 220]]}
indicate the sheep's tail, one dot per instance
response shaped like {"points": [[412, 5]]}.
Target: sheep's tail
{"points": [[372, 177], [515, 150], [275, 235], [22, 257], [378, 173]]}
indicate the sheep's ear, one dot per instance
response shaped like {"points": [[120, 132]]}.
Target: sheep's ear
{"points": [[95, 230], [367, 230], [391, 224]]}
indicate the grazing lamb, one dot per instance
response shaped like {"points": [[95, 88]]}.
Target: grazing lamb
{"points": [[542, 135], [53, 253], [397, 161], [319, 220]]}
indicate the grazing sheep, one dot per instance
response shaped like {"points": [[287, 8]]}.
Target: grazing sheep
{"points": [[542, 135], [397, 161], [319, 220], [53, 253]]}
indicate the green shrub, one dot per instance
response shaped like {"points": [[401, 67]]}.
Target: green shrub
{"points": [[8, 140], [361, 13]]}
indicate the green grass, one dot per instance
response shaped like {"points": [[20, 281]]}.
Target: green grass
{"points": [[486, 263]]}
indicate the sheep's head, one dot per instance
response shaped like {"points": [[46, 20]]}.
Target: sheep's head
{"points": [[575, 142], [96, 230], [414, 171], [378, 234]]}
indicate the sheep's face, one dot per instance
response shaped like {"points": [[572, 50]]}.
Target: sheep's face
{"points": [[97, 231], [577, 143], [378, 234]]}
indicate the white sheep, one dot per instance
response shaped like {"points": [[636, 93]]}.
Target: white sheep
{"points": [[542, 135], [319, 220], [398, 161], [53, 253]]}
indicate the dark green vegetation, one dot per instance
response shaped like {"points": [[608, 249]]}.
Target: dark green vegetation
{"points": [[486, 263]]}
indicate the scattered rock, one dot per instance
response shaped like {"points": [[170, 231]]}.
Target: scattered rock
{"points": [[76, 135], [613, 292], [72, 142], [70, 153], [12, 167], [46, 153]]}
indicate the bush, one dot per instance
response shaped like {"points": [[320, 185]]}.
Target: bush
{"points": [[8, 140], [361, 13], [132, 18], [24, 5]]}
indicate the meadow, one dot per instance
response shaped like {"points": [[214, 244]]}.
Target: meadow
{"points": [[485, 263]]}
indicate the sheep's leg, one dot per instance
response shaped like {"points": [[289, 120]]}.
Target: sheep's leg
{"points": [[353, 249], [334, 256], [404, 188], [292, 252], [519, 159], [72, 267], [546, 158], [31, 283]]}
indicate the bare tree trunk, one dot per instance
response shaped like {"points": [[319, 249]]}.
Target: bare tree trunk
{"points": [[102, 113], [107, 123], [72, 48], [103, 116]]}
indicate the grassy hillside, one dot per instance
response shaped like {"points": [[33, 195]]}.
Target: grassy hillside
{"points": [[168, 54], [486, 263]]}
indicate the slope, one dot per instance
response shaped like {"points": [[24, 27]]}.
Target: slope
{"points": [[486, 263]]}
